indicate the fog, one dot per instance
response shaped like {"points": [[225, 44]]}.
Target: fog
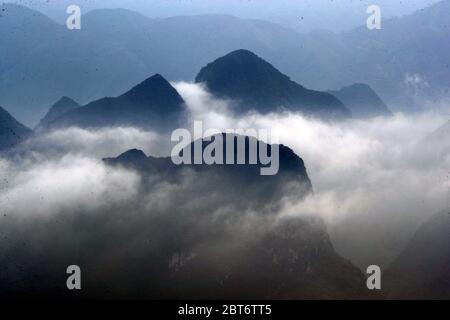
{"points": [[374, 185], [375, 181]]}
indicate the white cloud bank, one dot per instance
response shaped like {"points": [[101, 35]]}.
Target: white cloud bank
{"points": [[373, 182]]}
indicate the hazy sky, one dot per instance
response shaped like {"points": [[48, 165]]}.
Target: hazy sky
{"points": [[302, 15]]}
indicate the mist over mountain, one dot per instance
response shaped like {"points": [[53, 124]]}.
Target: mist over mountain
{"points": [[408, 55], [291, 177], [153, 103], [105, 59], [256, 85], [207, 242], [422, 268], [149, 223], [12, 132], [362, 101], [117, 48], [363, 191]]}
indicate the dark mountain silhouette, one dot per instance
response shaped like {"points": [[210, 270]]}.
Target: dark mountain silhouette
{"points": [[246, 178], [293, 258], [256, 85], [154, 104], [362, 101], [12, 132], [62, 106], [422, 269]]}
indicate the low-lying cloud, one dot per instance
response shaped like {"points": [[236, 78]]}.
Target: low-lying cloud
{"points": [[375, 181], [373, 186]]}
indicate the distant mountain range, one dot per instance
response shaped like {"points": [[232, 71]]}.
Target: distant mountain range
{"points": [[254, 84], [47, 61], [12, 132], [422, 269], [250, 82]]}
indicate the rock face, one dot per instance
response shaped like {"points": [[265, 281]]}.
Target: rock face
{"points": [[62, 106], [422, 270], [154, 104], [255, 84], [12, 132], [362, 101]]}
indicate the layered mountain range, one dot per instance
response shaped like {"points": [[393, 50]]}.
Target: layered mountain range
{"points": [[223, 231], [44, 59], [241, 77]]}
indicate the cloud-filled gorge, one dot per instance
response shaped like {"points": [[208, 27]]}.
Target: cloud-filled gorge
{"points": [[374, 183]]}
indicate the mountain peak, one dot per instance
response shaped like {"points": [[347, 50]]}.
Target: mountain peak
{"points": [[242, 53], [64, 99], [155, 90], [65, 103], [156, 79], [255, 84], [238, 64], [59, 108], [133, 155]]}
